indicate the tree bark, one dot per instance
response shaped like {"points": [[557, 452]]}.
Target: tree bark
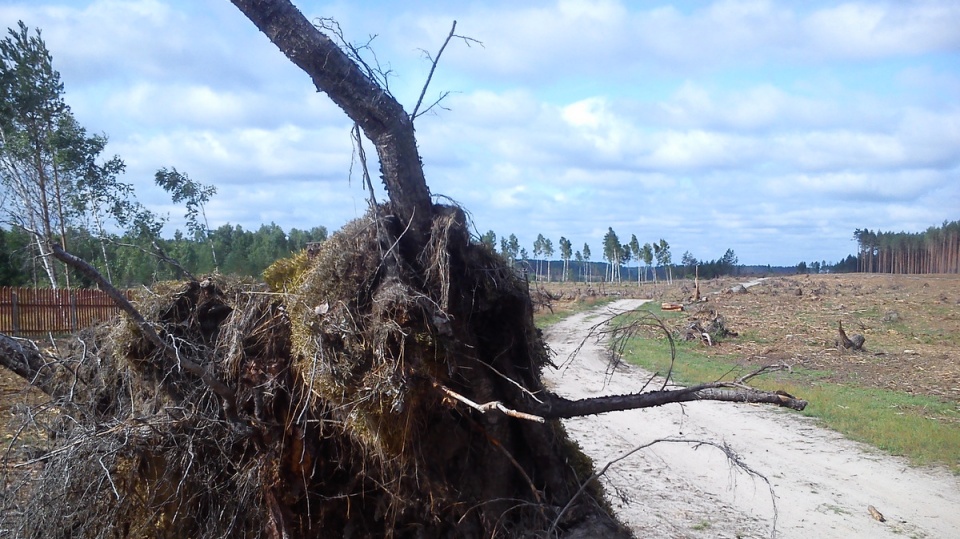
{"points": [[560, 408], [381, 117]]}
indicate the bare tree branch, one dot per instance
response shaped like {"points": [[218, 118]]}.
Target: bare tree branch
{"points": [[433, 67], [725, 391], [561, 408], [486, 407], [735, 460]]}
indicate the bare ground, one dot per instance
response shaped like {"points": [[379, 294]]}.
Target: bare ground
{"points": [[823, 484], [911, 324]]}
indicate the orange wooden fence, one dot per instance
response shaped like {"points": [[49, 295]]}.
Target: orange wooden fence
{"points": [[38, 311]]}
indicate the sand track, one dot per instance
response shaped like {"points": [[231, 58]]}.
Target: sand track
{"points": [[823, 482]]}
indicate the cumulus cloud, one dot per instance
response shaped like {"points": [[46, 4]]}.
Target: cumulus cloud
{"points": [[539, 45]]}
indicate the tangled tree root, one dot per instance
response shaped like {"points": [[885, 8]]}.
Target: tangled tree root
{"points": [[339, 428]]}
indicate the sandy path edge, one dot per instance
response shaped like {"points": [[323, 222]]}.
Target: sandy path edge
{"points": [[823, 482]]}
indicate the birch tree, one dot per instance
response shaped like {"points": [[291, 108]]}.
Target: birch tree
{"points": [[635, 250], [566, 249]]}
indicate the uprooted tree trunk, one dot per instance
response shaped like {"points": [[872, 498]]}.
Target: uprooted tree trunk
{"points": [[385, 385]]}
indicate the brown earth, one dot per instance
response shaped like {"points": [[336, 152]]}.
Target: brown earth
{"points": [[911, 324]]}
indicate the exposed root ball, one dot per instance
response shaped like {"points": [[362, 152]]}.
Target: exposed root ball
{"points": [[338, 426]]}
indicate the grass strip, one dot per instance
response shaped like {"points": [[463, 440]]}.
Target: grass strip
{"points": [[923, 429]]}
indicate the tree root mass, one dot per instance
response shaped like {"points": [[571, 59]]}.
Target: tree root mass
{"points": [[340, 429]]}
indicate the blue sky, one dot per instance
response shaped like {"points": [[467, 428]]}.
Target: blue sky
{"points": [[772, 128]]}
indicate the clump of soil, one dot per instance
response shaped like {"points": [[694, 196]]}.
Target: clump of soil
{"points": [[707, 326]]}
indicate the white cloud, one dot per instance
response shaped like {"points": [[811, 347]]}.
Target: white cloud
{"points": [[541, 45], [853, 187], [760, 107], [872, 30]]}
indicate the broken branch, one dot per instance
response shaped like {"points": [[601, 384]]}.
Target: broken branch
{"points": [[484, 408]]}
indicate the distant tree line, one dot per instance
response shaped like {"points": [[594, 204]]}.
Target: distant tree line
{"points": [[936, 250], [656, 257], [131, 259], [576, 264]]}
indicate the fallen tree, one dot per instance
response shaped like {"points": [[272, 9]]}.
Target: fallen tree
{"points": [[386, 384]]}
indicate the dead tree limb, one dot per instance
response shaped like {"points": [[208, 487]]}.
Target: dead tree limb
{"points": [[434, 60], [379, 115], [433, 68], [561, 408], [726, 391], [486, 407]]}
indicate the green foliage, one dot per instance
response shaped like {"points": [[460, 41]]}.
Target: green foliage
{"points": [[613, 253], [131, 263], [566, 251], [14, 258], [193, 194], [510, 248], [489, 238], [725, 265], [59, 188]]}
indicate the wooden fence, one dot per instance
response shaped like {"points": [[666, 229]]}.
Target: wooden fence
{"points": [[33, 312]]}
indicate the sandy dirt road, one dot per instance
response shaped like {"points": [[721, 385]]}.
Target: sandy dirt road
{"points": [[823, 483]]}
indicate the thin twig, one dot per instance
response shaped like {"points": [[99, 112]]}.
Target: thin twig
{"points": [[362, 157], [763, 370], [433, 67]]}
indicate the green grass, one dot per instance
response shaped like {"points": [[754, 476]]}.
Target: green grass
{"points": [[702, 525], [923, 429]]}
